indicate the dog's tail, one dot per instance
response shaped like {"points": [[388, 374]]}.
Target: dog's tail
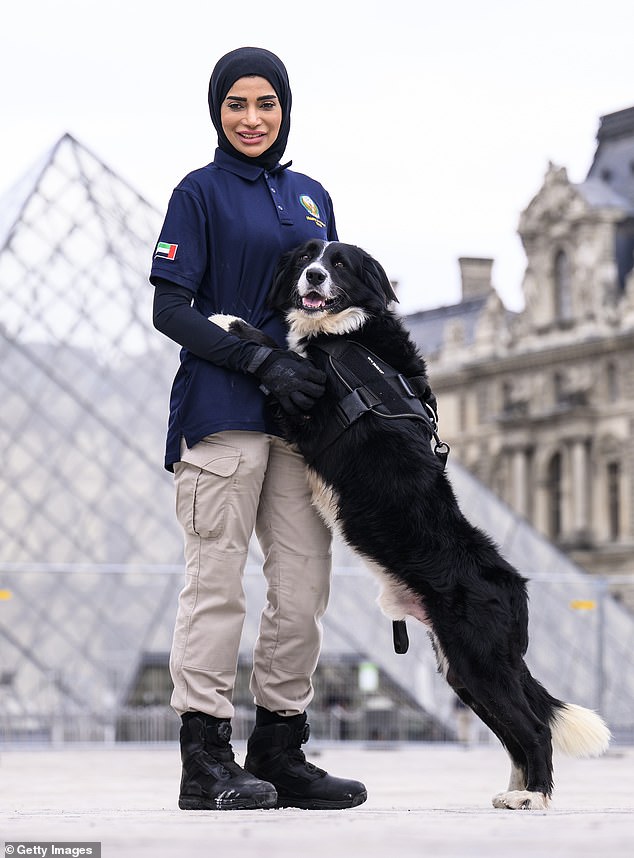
{"points": [[579, 732], [576, 731]]}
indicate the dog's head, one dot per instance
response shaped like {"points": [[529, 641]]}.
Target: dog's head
{"points": [[329, 287]]}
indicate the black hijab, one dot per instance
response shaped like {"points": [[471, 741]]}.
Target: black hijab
{"points": [[240, 63]]}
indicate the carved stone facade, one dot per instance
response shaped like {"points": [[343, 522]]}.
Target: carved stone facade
{"points": [[540, 404]]}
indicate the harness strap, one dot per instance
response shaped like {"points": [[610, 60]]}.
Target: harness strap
{"points": [[367, 383], [421, 390], [416, 386]]}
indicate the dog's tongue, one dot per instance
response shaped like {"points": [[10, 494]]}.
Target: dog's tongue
{"points": [[313, 301]]}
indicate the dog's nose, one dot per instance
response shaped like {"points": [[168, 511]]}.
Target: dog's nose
{"points": [[315, 276]]}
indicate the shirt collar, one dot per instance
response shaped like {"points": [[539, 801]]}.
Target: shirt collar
{"points": [[251, 172]]}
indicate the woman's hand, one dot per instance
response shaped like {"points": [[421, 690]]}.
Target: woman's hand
{"points": [[294, 381]]}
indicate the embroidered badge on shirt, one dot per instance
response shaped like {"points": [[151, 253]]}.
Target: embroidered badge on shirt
{"points": [[165, 250], [312, 208]]}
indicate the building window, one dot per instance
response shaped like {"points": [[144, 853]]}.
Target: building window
{"points": [[500, 482], [614, 500], [563, 295], [612, 379], [462, 413], [507, 397], [483, 408], [559, 388], [555, 497]]}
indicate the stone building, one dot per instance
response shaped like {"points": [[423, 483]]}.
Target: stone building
{"points": [[539, 404]]}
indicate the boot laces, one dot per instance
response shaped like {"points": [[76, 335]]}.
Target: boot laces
{"points": [[298, 756], [220, 750]]}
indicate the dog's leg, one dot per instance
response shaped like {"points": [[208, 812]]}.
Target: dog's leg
{"points": [[324, 498], [243, 330], [516, 755], [517, 781], [527, 741], [442, 662], [585, 731], [498, 699]]}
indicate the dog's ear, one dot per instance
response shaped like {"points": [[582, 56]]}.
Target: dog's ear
{"points": [[279, 294], [374, 274]]}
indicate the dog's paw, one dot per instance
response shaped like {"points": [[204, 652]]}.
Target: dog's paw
{"points": [[225, 321], [521, 800], [239, 328]]}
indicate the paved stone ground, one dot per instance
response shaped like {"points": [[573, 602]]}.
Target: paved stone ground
{"points": [[424, 800]]}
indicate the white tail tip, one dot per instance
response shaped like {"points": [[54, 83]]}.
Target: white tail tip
{"points": [[579, 732]]}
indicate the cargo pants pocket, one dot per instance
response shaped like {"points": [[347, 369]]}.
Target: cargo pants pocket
{"points": [[204, 478]]}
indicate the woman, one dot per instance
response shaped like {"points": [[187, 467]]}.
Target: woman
{"points": [[225, 228]]}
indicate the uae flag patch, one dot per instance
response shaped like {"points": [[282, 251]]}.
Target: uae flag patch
{"points": [[165, 250]]}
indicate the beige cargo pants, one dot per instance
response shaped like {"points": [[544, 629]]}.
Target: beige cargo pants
{"points": [[226, 486]]}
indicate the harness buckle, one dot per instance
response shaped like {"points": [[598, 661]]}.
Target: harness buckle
{"points": [[355, 404]]}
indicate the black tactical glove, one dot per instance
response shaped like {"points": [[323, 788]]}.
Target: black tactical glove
{"points": [[294, 381]]}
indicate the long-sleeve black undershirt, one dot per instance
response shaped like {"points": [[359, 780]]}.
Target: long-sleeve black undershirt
{"points": [[174, 316]]}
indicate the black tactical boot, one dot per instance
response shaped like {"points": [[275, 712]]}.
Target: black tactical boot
{"points": [[212, 780], [274, 754]]}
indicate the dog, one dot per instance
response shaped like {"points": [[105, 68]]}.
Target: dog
{"points": [[379, 483]]}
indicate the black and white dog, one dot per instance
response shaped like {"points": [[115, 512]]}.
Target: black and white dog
{"points": [[381, 486]]}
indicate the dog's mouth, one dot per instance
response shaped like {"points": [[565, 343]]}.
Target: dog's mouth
{"points": [[313, 302]]}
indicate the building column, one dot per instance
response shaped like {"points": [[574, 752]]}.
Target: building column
{"points": [[520, 482], [580, 495]]}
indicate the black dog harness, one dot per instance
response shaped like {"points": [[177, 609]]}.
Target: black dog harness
{"points": [[364, 383]]}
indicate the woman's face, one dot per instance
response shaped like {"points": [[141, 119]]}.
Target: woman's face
{"points": [[251, 115]]}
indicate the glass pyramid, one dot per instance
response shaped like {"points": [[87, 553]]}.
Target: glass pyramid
{"points": [[84, 386]]}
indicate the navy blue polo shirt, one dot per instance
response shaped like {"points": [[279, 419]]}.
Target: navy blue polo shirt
{"points": [[226, 226]]}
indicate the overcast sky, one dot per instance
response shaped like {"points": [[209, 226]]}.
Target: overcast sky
{"points": [[430, 123]]}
